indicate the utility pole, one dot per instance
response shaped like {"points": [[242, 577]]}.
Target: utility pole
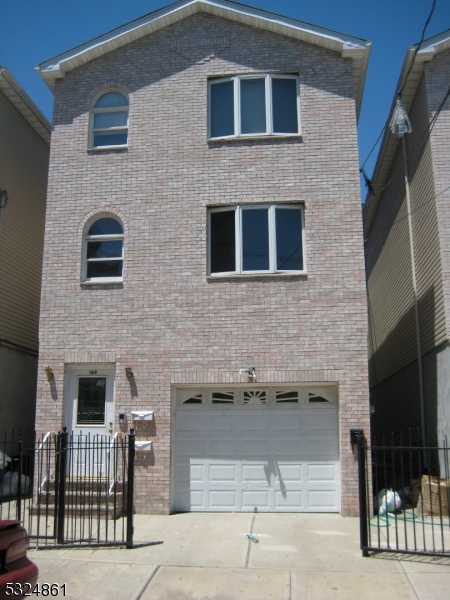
{"points": [[400, 125]]}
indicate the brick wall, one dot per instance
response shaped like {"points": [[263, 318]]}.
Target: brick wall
{"points": [[168, 321]]}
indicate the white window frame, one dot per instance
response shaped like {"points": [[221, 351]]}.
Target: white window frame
{"points": [[95, 111], [237, 103], [104, 238], [238, 208]]}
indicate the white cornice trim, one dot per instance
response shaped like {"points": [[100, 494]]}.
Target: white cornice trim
{"points": [[350, 47], [24, 104]]}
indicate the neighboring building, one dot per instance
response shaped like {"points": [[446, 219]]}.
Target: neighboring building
{"points": [[394, 366], [204, 218], [24, 154]]}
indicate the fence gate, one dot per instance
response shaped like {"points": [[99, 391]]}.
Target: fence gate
{"points": [[404, 497], [53, 484]]}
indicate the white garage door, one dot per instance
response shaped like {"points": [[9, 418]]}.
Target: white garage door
{"points": [[267, 449]]}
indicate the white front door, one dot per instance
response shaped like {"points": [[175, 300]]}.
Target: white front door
{"points": [[91, 418]]}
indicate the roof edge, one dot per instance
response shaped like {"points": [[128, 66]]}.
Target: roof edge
{"points": [[24, 104], [354, 48], [414, 64]]}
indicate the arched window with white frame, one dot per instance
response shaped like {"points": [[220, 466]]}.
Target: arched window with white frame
{"points": [[103, 250], [109, 120]]}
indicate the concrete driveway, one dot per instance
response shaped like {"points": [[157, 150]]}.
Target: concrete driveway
{"points": [[208, 556]]}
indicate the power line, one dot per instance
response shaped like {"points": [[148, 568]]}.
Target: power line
{"points": [[419, 44], [404, 83], [400, 219], [420, 142]]}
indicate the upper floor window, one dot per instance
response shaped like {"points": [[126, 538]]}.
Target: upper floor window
{"points": [[109, 120], [256, 239], [103, 250], [254, 105]]}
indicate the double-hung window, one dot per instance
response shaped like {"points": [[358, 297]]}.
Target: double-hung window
{"points": [[255, 105], [103, 250], [109, 121], [260, 238]]}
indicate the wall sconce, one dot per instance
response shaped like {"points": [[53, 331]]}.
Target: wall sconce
{"points": [[251, 373], [49, 372], [3, 198], [129, 372]]}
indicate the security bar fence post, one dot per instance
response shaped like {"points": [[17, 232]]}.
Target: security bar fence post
{"points": [[62, 485], [19, 481], [130, 488], [362, 495]]}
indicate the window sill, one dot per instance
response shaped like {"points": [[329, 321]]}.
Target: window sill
{"points": [[253, 138], [110, 284], [107, 148], [241, 276]]}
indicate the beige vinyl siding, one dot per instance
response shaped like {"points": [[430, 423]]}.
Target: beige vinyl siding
{"points": [[437, 74], [23, 173], [392, 340]]}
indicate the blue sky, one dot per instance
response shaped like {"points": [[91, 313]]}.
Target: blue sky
{"points": [[33, 31]]}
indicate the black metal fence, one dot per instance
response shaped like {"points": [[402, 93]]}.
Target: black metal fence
{"points": [[404, 490], [69, 489]]}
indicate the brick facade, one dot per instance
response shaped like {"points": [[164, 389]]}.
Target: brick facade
{"points": [[169, 321]]}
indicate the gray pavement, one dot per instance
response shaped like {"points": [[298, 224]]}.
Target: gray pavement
{"points": [[208, 556]]}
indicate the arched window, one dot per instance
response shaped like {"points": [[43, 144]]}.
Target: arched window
{"points": [[103, 250], [109, 120]]}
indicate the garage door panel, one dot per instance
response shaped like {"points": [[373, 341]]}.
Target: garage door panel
{"points": [[223, 473], [191, 448], [190, 472], [254, 421], [191, 421], [321, 448], [290, 472], [222, 447], [288, 421], [322, 499], [255, 473], [322, 473], [288, 447], [274, 458], [222, 422], [222, 499], [255, 448], [189, 500], [320, 420], [252, 499], [289, 501]]}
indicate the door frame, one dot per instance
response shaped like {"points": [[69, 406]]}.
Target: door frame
{"points": [[107, 370]]}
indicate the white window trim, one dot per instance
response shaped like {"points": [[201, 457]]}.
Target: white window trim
{"points": [[95, 111], [272, 239], [237, 101], [92, 238]]}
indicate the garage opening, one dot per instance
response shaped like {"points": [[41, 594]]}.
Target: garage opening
{"points": [[255, 448]]}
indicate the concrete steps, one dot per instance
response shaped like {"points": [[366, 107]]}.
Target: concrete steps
{"points": [[85, 498]]}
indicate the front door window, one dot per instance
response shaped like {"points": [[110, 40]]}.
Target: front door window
{"points": [[91, 401]]}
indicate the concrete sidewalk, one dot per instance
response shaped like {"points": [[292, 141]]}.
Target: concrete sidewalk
{"points": [[299, 556]]}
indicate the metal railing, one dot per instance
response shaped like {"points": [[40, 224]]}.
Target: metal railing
{"points": [[69, 489], [404, 497]]}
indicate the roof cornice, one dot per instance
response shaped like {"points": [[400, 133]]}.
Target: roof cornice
{"points": [[349, 47], [24, 104], [413, 64]]}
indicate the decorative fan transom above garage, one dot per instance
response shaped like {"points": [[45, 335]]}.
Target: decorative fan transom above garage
{"points": [[257, 396]]}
